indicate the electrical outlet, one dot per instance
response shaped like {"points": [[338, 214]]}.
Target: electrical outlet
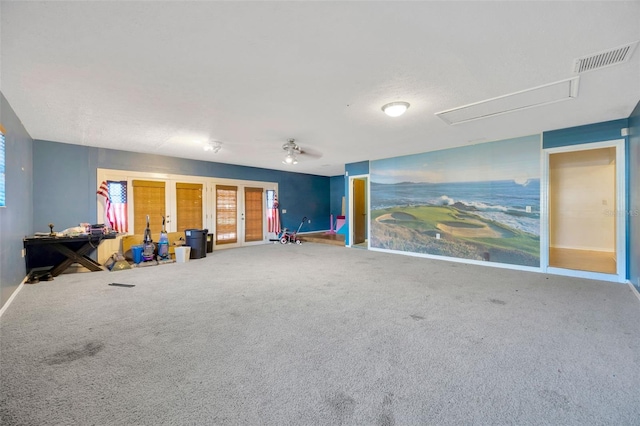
{"points": [[528, 209], [437, 236], [284, 211], [309, 220]]}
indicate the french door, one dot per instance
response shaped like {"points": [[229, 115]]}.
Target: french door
{"points": [[254, 213], [239, 219], [234, 211], [155, 200]]}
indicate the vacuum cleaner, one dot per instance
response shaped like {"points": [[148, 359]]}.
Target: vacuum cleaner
{"points": [[148, 248], [163, 243]]}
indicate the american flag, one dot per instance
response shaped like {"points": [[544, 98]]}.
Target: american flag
{"points": [[273, 216], [115, 195]]}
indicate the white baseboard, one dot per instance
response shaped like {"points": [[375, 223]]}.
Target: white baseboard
{"points": [[13, 296]]}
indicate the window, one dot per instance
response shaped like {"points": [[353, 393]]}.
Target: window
{"points": [[2, 190]]}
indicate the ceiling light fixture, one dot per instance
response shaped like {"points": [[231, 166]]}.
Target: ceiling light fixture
{"points": [[290, 159], [395, 109], [291, 148]]}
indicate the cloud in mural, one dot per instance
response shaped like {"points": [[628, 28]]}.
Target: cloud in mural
{"points": [[522, 180]]}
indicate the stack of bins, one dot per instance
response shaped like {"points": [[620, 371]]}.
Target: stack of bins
{"points": [[197, 240]]}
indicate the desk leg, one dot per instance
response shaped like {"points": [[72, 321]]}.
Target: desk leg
{"points": [[75, 256]]}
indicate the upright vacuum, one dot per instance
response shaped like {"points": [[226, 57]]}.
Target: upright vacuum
{"points": [[163, 243], [148, 248]]}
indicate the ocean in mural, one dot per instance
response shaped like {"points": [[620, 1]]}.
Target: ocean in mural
{"points": [[468, 203]]}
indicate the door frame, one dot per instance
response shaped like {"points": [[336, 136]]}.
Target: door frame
{"points": [[352, 208], [621, 222]]}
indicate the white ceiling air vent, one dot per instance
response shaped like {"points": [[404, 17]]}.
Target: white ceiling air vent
{"points": [[603, 59], [529, 98]]}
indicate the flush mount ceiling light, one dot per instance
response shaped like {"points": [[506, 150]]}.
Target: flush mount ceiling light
{"points": [[292, 149], [395, 109], [213, 146]]}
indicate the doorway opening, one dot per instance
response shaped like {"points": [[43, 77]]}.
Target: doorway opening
{"points": [[585, 232], [359, 213]]}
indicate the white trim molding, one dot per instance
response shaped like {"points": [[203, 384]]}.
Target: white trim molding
{"points": [[621, 225]]}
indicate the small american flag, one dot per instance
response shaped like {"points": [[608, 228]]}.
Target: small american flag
{"points": [[273, 216], [115, 195]]}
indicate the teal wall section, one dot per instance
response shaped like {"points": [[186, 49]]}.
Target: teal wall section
{"points": [[598, 132], [15, 218], [337, 192], [634, 197], [65, 183]]}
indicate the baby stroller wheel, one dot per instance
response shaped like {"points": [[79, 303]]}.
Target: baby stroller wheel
{"points": [[283, 240]]}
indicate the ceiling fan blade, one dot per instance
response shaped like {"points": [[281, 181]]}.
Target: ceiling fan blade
{"points": [[312, 153]]}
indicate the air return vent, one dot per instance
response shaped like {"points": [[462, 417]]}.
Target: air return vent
{"points": [[537, 96], [607, 58]]}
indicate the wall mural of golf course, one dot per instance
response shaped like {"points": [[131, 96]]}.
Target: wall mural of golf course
{"points": [[478, 202]]}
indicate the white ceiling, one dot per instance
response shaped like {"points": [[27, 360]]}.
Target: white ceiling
{"points": [[165, 77]]}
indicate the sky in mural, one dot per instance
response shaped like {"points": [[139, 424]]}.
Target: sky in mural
{"points": [[482, 162]]}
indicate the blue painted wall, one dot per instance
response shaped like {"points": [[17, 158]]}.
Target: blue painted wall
{"points": [[15, 218], [597, 132], [65, 183], [634, 197], [337, 192], [351, 169]]}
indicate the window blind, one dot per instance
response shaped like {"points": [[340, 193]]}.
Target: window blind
{"points": [[2, 162], [189, 206], [253, 214], [226, 214], [148, 199]]}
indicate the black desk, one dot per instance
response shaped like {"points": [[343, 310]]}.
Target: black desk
{"points": [[60, 252]]}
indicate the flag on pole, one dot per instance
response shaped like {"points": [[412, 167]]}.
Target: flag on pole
{"points": [[115, 196], [273, 216]]}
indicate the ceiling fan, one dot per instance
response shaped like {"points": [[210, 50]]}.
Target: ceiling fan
{"points": [[293, 151]]}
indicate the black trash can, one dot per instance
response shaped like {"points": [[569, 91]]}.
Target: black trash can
{"points": [[209, 243], [197, 240]]}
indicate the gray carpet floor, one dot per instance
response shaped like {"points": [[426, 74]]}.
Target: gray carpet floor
{"points": [[320, 335]]}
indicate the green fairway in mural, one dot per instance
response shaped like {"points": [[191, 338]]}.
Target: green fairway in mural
{"points": [[480, 202]]}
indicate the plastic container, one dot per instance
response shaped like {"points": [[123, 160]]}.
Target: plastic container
{"points": [[163, 246], [136, 252], [209, 243], [197, 240], [182, 254]]}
